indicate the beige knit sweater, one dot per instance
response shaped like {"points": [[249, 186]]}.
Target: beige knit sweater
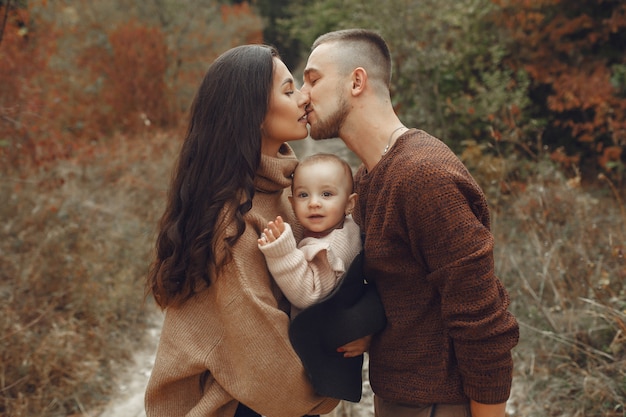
{"points": [[308, 271], [237, 330]]}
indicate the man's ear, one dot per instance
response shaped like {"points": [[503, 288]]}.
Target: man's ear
{"points": [[359, 80], [351, 203]]}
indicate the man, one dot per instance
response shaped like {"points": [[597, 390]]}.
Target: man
{"points": [[446, 350]]}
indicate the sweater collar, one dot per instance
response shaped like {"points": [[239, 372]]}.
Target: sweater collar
{"points": [[275, 172]]}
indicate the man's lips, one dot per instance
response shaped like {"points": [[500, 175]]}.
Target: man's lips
{"points": [[308, 110]]}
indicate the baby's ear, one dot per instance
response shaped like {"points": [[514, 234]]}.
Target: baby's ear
{"points": [[351, 203]]}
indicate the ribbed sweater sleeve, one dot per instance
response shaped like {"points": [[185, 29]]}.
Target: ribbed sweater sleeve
{"points": [[309, 271]]}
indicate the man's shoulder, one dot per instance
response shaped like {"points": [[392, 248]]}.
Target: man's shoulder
{"points": [[422, 145], [424, 152]]}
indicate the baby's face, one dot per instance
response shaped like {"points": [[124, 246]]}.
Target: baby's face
{"points": [[321, 195]]}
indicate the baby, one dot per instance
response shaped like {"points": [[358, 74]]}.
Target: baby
{"points": [[322, 199]]}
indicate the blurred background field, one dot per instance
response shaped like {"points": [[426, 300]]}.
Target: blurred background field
{"points": [[93, 94]]}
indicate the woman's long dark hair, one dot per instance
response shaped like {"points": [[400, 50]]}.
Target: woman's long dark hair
{"points": [[216, 168]]}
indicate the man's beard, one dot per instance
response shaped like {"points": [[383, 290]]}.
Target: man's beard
{"points": [[329, 128]]}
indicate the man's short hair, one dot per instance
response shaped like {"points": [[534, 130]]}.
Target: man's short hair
{"points": [[361, 48]]}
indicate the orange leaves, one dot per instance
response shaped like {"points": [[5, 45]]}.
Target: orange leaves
{"points": [[572, 50], [561, 27], [560, 157], [611, 155], [589, 90], [615, 22], [241, 11], [131, 71], [235, 11], [135, 85], [581, 88], [26, 122]]}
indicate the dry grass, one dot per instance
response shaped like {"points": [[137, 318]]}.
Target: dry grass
{"points": [[561, 253], [75, 243], [74, 247]]}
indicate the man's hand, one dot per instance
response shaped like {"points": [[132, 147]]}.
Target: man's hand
{"points": [[356, 347], [272, 231]]}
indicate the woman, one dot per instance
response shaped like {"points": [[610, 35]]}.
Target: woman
{"points": [[224, 343]]}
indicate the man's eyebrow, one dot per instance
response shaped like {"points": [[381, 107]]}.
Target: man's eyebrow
{"points": [[308, 71]]}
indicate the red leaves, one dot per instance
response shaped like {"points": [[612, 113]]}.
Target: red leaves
{"points": [[570, 50], [25, 87], [135, 85]]}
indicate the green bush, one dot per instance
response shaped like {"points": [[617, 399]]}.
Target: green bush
{"points": [[449, 76]]}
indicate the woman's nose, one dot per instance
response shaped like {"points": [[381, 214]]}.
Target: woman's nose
{"points": [[303, 99]]}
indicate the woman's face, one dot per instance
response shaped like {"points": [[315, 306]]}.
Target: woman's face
{"points": [[286, 116]]}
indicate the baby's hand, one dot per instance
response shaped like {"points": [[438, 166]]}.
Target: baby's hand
{"points": [[272, 231]]}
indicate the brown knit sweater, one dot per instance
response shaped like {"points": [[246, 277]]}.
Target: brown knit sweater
{"points": [[237, 330], [429, 250]]}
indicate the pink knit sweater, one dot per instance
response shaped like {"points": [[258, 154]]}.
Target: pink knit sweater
{"points": [[308, 271]]}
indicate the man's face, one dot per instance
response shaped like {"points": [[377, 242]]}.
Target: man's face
{"points": [[328, 107]]}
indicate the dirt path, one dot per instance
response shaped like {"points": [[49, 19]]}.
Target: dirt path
{"points": [[132, 385]]}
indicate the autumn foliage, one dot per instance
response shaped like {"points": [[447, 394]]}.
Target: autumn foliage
{"points": [[92, 96], [29, 93], [90, 105], [48, 111], [574, 54], [65, 86], [132, 69]]}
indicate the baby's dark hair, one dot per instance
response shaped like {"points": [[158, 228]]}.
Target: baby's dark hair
{"points": [[328, 157]]}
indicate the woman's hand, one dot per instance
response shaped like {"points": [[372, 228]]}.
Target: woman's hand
{"points": [[356, 347]]}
